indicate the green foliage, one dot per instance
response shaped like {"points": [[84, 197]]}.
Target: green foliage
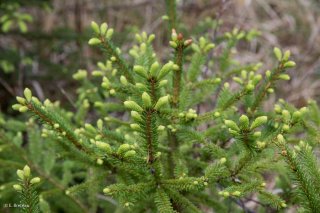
{"points": [[137, 140]]}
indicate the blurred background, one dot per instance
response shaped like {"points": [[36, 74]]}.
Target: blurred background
{"points": [[43, 42]]}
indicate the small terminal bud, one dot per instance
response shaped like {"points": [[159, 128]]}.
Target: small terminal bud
{"points": [[17, 187], [161, 128], [259, 121], [99, 161], [231, 124], [94, 41], [26, 171], [106, 190], [154, 69], [223, 160], [280, 138], [23, 109], [161, 101], [123, 80], [35, 180], [146, 99], [95, 27], [236, 193], [244, 121], [140, 70], [130, 154], [289, 64], [133, 106], [277, 52], [103, 28]]}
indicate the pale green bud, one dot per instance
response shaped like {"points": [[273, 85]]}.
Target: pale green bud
{"points": [[161, 128], [256, 79], [175, 67], [35, 180], [236, 193], [135, 127], [217, 114], [109, 33], [209, 47], [226, 194], [277, 108], [140, 86], [23, 109], [296, 115], [165, 70], [94, 41], [289, 64], [146, 99], [27, 94], [244, 74], [103, 28], [17, 187], [268, 73], [133, 106], [89, 128], [163, 83], [26, 171], [99, 161], [280, 138], [259, 121], [277, 52], [136, 116], [112, 91], [56, 126], [123, 148], [130, 154], [238, 80], [113, 59], [285, 127], [95, 27], [21, 100], [104, 146], [223, 160], [106, 190], [100, 124], [151, 38], [257, 134], [283, 205], [140, 70], [286, 55], [173, 44], [285, 77], [303, 110], [270, 90], [174, 35], [123, 80], [16, 106], [154, 68], [80, 75], [202, 42], [261, 145], [20, 174], [244, 121], [105, 83], [250, 87], [286, 114], [232, 125], [161, 101]]}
